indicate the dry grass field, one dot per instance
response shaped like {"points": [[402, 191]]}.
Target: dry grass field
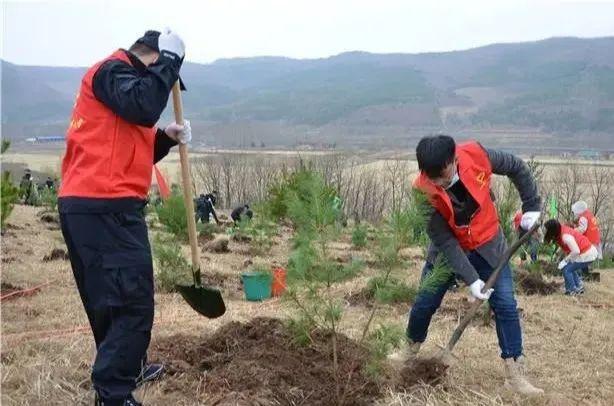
{"points": [[47, 349]]}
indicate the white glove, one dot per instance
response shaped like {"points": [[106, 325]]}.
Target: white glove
{"points": [[476, 290], [529, 219], [180, 133], [170, 41], [562, 264]]}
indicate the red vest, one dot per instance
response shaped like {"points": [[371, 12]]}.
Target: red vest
{"points": [[517, 219], [592, 230], [106, 156], [475, 171], [583, 243]]}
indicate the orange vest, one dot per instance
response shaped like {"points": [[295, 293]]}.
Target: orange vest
{"points": [[583, 243], [475, 171], [592, 230], [106, 156]]}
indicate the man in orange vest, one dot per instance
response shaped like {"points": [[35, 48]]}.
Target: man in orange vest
{"points": [[111, 146], [587, 225], [463, 225]]}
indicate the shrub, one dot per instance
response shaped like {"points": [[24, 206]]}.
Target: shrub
{"points": [[359, 236], [172, 215], [391, 291], [9, 193], [172, 267]]}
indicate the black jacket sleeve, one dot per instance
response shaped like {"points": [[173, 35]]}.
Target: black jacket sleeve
{"points": [[137, 97], [162, 145], [504, 163]]}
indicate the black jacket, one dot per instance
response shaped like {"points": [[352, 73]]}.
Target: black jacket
{"points": [[139, 95]]}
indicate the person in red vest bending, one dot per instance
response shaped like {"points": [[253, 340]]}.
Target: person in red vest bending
{"points": [[112, 144], [463, 225], [580, 253], [587, 224]]}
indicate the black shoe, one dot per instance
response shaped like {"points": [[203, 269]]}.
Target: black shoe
{"points": [[129, 401], [149, 373]]}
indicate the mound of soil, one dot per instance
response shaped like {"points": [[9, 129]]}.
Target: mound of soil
{"points": [[547, 267], [363, 297], [7, 260], [429, 371], [534, 284], [55, 254], [219, 245], [258, 363], [6, 288], [231, 285], [204, 238], [50, 218], [239, 237]]}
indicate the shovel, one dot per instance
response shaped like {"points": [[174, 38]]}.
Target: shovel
{"points": [[203, 299], [446, 352]]}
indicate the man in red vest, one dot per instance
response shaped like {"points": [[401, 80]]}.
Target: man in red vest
{"points": [[111, 146], [463, 225]]}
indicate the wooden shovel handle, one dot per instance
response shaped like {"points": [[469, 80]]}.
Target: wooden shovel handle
{"points": [[187, 187], [456, 335]]}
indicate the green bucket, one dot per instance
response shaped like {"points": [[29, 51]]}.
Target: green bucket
{"points": [[257, 285]]}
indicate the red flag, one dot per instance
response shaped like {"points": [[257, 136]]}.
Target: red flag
{"points": [[165, 192]]}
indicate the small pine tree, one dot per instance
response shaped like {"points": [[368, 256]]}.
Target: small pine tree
{"points": [[171, 265], [9, 193], [172, 215], [359, 236]]}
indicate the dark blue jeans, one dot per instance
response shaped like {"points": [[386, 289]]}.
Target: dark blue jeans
{"points": [[502, 302], [571, 274]]}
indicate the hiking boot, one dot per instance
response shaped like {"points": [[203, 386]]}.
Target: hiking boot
{"points": [[407, 353], [149, 372], [516, 380]]}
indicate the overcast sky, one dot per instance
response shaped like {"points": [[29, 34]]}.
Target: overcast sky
{"points": [[80, 32]]}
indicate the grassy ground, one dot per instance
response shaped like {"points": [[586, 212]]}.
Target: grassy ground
{"points": [[47, 349]]}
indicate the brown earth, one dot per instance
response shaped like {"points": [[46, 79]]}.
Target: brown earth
{"points": [[259, 361]]}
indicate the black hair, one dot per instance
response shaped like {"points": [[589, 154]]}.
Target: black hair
{"points": [[140, 49], [434, 153], [553, 230]]}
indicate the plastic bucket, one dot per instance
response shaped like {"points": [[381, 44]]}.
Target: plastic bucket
{"points": [[256, 285], [279, 281]]}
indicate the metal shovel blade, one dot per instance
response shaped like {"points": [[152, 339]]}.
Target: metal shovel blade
{"points": [[204, 300]]}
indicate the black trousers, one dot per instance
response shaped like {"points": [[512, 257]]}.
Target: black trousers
{"points": [[111, 262]]}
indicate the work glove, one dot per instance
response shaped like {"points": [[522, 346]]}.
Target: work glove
{"points": [[170, 41], [476, 290], [529, 219], [180, 133], [562, 264]]}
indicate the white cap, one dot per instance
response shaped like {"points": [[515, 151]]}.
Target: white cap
{"points": [[579, 207]]}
